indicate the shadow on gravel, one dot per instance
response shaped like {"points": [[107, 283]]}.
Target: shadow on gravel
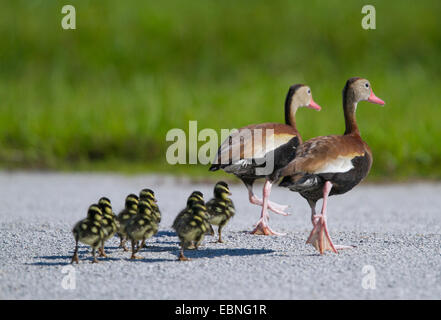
{"points": [[67, 260], [213, 253], [147, 260], [192, 254], [48, 263], [158, 248], [165, 233]]}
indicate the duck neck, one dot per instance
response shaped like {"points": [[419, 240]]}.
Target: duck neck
{"points": [[349, 108], [290, 114]]}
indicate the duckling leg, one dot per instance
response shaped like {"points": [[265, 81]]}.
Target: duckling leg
{"points": [[274, 207], [191, 246], [219, 231], [181, 253], [319, 237], [134, 251], [101, 250], [262, 227], [94, 255], [198, 241], [122, 243], [182, 257], [75, 255]]}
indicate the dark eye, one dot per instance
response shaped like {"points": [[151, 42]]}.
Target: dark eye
{"points": [[366, 85], [309, 91]]}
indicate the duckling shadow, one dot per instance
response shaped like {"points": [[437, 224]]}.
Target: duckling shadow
{"points": [[54, 257], [67, 259], [148, 260], [112, 247], [42, 263], [168, 242], [165, 233], [213, 253], [151, 248]]}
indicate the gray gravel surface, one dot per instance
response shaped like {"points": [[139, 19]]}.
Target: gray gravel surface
{"points": [[396, 228]]}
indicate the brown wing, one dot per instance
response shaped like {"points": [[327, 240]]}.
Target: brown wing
{"points": [[326, 154], [254, 141]]}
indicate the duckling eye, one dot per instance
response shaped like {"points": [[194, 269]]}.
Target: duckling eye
{"points": [[366, 85]]}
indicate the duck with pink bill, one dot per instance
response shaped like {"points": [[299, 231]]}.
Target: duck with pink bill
{"points": [[244, 155], [332, 165]]}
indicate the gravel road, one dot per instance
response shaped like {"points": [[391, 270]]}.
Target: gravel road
{"points": [[396, 228]]}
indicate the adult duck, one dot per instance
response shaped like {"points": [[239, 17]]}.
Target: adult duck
{"points": [[330, 165], [261, 150]]}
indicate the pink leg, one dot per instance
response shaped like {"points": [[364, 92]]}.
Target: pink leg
{"points": [[312, 206], [262, 227], [274, 207], [319, 236]]}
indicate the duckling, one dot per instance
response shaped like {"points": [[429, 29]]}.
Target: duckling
{"points": [[109, 222], [131, 207], [195, 197], [220, 208], [141, 227], [192, 228], [89, 231], [149, 196]]}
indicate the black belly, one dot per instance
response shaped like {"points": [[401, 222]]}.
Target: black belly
{"points": [[281, 155], [342, 182]]}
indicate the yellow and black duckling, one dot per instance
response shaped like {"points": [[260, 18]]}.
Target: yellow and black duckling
{"points": [[131, 207], [191, 228], [220, 208], [109, 222], [195, 197], [89, 231], [141, 227], [149, 196]]}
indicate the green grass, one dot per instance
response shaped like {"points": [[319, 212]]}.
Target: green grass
{"points": [[103, 96]]}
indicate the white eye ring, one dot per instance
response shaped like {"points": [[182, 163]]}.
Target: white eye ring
{"points": [[366, 85], [309, 91]]}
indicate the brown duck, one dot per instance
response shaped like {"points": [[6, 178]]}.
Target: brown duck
{"points": [[262, 150], [330, 165]]}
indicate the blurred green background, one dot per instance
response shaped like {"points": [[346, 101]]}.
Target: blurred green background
{"points": [[103, 96]]}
